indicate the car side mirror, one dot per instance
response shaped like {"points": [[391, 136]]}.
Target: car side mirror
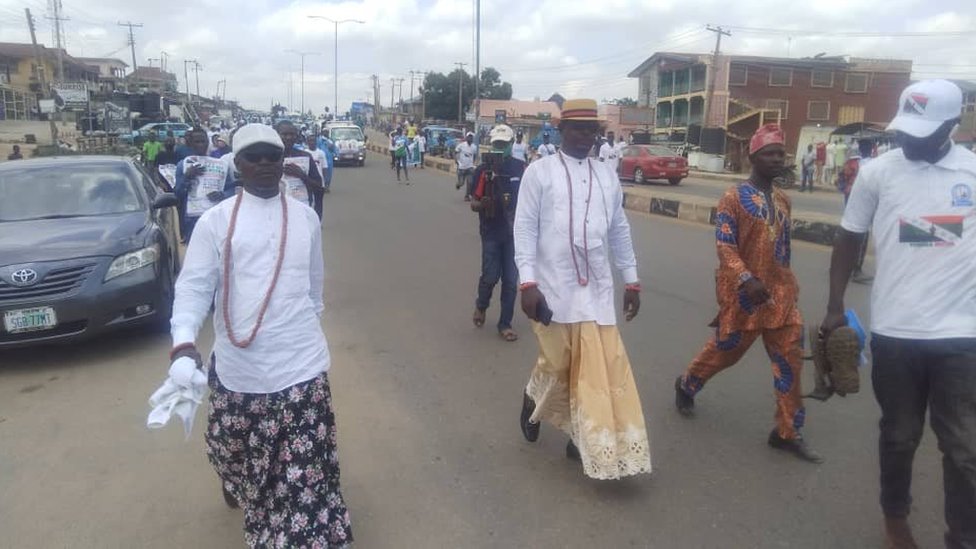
{"points": [[164, 200]]}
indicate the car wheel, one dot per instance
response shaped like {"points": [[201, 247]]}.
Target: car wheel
{"points": [[674, 180], [164, 311], [638, 176], [362, 163]]}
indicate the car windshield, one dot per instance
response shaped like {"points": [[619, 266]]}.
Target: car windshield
{"points": [[342, 134], [659, 150], [147, 127], [67, 190]]}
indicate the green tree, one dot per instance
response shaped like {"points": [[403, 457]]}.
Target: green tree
{"points": [[442, 91], [624, 102]]}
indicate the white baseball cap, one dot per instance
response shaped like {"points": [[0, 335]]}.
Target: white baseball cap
{"points": [[252, 134], [501, 132], [924, 106]]}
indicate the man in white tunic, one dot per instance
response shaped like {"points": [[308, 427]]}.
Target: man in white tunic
{"points": [[271, 435], [568, 222]]}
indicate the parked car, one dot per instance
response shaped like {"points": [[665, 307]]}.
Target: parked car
{"points": [[139, 136], [350, 142], [644, 162], [88, 244]]}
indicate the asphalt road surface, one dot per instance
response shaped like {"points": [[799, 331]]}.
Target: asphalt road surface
{"points": [[826, 200], [427, 407]]}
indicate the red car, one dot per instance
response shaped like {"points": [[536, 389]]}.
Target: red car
{"points": [[642, 162]]}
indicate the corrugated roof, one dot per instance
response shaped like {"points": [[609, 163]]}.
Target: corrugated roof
{"points": [[23, 51], [515, 108]]}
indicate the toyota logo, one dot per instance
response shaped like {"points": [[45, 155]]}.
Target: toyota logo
{"points": [[24, 277]]}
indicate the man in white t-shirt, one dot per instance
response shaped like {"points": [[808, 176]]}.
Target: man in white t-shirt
{"points": [[421, 142], [546, 148], [520, 149], [609, 153], [465, 154], [919, 203]]}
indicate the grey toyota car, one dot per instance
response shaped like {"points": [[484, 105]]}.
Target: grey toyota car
{"points": [[88, 244]]}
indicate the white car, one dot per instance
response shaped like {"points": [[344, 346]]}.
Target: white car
{"points": [[350, 142]]}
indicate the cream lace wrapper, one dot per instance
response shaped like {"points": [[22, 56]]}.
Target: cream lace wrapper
{"points": [[582, 384]]}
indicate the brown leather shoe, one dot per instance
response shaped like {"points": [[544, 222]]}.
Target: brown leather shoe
{"points": [[898, 534]]}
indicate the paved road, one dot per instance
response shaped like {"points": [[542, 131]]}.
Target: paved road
{"points": [[427, 408], [824, 201]]}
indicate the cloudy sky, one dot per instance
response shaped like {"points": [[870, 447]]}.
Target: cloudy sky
{"points": [[578, 48]]}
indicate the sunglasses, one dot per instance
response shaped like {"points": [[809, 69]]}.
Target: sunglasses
{"points": [[255, 157]]}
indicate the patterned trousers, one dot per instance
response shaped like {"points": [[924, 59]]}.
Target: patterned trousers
{"points": [[785, 349]]}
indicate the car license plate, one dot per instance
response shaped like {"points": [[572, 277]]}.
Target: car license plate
{"points": [[29, 320], [672, 164]]}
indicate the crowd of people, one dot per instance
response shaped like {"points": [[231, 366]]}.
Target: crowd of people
{"points": [[553, 230]]}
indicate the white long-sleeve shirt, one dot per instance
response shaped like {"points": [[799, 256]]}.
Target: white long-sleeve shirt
{"points": [[543, 252], [290, 347]]}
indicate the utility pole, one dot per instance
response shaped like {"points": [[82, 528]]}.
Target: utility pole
{"points": [[477, 65], [58, 36], [132, 39], [196, 71], [163, 58], [39, 67], [151, 59], [460, 67], [400, 91], [186, 78], [710, 75], [376, 92]]}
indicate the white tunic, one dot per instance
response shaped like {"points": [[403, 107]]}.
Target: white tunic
{"points": [[290, 347], [543, 252]]}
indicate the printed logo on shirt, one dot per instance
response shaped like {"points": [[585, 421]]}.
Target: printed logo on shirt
{"points": [[931, 230], [962, 195], [915, 103]]}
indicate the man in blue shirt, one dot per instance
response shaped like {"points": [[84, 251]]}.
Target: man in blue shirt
{"points": [[496, 191], [327, 146]]}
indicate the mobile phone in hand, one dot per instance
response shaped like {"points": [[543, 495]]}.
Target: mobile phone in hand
{"points": [[543, 313]]}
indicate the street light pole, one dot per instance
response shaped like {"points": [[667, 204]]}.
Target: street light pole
{"points": [[335, 77], [302, 54]]}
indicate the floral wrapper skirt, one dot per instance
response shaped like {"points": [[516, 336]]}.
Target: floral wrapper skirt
{"points": [[276, 454]]}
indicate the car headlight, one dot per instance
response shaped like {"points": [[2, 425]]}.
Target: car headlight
{"points": [[126, 263]]}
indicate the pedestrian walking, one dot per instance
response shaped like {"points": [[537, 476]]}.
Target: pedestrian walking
{"points": [[520, 150], [301, 180], [610, 153], [495, 199], [807, 169], [201, 182], [271, 434], [757, 293], [150, 149], [465, 155], [818, 177], [321, 165], [327, 146], [400, 143], [918, 201], [546, 148], [568, 222]]}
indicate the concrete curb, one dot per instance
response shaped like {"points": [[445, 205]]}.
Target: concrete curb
{"points": [[808, 227]]}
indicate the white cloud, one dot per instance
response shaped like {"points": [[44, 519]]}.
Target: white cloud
{"points": [[575, 47]]}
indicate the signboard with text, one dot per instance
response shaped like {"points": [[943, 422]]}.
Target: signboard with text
{"points": [[71, 96]]}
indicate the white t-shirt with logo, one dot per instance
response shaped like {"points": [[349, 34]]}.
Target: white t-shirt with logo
{"points": [[923, 219], [465, 154], [546, 149]]}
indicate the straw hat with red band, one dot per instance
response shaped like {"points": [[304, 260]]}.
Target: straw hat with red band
{"points": [[580, 110]]}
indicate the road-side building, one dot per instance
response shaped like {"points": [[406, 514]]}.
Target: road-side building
{"points": [[809, 97], [967, 128], [528, 116], [151, 79], [625, 120], [111, 72], [20, 86]]}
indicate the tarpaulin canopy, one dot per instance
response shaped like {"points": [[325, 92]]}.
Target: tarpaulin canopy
{"points": [[860, 130]]}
